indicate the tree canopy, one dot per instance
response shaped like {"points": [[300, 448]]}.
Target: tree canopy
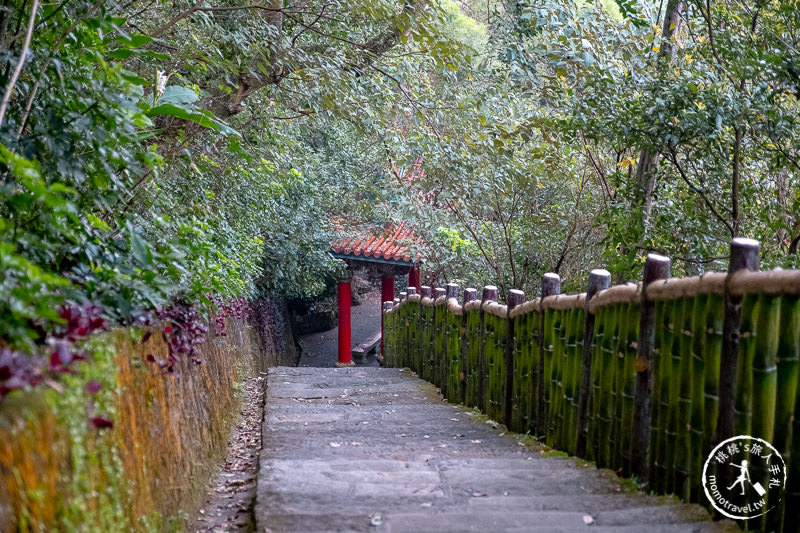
{"points": [[188, 152]]}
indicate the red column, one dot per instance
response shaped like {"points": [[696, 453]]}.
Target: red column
{"points": [[387, 295], [344, 323], [414, 278]]}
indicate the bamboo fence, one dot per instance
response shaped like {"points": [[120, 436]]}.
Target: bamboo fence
{"points": [[662, 387]]}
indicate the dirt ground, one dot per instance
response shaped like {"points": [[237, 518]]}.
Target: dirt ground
{"points": [[229, 504], [320, 349]]}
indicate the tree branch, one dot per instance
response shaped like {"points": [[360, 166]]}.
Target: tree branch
{"points": [[12, 81]]}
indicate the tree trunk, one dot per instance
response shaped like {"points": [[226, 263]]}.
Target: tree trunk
{"points": [[645, 175]]}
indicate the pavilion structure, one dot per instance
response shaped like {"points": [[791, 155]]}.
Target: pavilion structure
{"points": [[387, 252]]}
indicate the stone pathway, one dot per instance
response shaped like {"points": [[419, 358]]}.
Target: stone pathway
{"points": [[377, 450]]}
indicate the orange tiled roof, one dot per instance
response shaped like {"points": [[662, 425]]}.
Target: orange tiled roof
{"points": [[391, 245]]}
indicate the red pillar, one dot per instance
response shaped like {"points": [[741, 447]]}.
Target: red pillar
{"points": [[344, 323], [387, 295], [414, 279]]}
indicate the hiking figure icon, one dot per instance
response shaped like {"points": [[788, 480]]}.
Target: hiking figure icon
{"points": [[744, 475]]}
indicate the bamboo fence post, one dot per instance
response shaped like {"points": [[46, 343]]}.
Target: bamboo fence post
{"points": [[787, 415], [656, 267], [515, 298], [551, 285], [603, 340], [744, 256], [489, 294], [470, 294], [606, 398], [416, 328], [450, 382], [387, 334], [630, 312], [403, 317], [599, 279], [623, 396], [572, 377], [438, 336], [425, 343]]}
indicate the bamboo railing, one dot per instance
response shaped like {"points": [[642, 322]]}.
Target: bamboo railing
{"points": [[643, 378]]}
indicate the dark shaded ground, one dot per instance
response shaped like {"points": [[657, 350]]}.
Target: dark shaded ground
{"points": [[229, 504], [320, 349]]}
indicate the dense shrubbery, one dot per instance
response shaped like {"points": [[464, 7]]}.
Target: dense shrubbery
{"points": [[151, 155]]}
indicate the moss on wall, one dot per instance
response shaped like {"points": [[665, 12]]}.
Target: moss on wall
{"points": [[58, 472]]}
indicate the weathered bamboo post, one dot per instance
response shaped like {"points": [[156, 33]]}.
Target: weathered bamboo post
{"points": [[386, 333], [656, 267], [439, 343], [451, 291], [744, 256], [599, 280], [470, 295], [450, 385], [426, 334], [551, 285], [404, 329], [490, 294], [515, 298]]}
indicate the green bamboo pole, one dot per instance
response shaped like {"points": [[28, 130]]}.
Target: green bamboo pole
{"points": [[550, 371], [712, 354], [786, 416], [765, 381], [470, 294], [438, 367], [415, 328], [536, 354], [474, 348], [744, 256], [388, 338], [453, 348], [655, 267], [451, 291], [632, 312], [790, 350], [607, 394], [423, 361], [523, 375], [599, 280], [404, 327], [551, 285], [574, 351], [618, 430], [515, 298], [490, 294], [683, 429], [664, 338], [453, 340], [494, 367], [698, 326], [673, 395], [743, 419], [765, 369], [500, 340], [603, 318]]}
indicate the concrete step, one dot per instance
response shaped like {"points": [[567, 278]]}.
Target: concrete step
{"points": [[376, 450]]}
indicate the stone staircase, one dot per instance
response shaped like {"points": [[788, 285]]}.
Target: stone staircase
{"points": [[378, 450]]}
